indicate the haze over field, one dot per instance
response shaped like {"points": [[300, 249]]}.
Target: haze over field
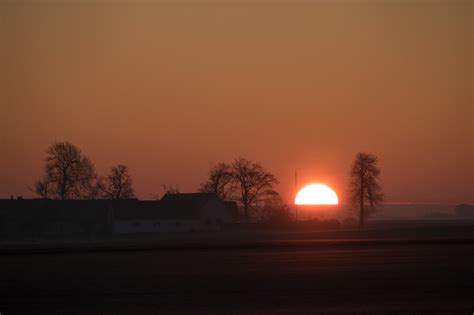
{"points": [[170, 88]]}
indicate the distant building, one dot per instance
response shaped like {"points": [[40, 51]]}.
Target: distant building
{"points": [[464, 211], [50, 219], [175, 213]]}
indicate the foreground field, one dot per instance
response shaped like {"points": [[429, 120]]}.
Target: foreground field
{"points": [[351, 278]]}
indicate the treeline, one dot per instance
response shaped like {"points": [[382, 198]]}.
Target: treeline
{"points": [[69, 174], [251, 186]]}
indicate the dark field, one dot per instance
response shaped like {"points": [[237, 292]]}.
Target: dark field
{"points": [[304, 277]]}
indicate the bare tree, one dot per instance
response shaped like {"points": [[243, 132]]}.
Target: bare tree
{"points": [[42, 188], [254, 185], [167, 189], [365, 188], [275, 210], [119, 184], [68, 173], [97, 189], [170, 189], [221, 182]]}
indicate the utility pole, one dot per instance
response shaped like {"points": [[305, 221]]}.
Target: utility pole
{"points": [[296, 192]]}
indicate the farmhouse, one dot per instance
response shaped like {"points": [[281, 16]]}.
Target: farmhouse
{"points": [[54, 219], [175, 213]]}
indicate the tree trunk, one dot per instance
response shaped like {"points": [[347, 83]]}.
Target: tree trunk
{"points": [[361, 210], [246, 214]]}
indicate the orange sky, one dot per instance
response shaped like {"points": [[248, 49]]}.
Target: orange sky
{"points": [[170, 88]]}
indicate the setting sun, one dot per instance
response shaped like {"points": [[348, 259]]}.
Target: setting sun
{"points": [[316, 194]]}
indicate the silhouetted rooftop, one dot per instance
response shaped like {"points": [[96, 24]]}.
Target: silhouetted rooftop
{"points": [[171, 207]]}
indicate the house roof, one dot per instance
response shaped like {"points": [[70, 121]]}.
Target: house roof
{"points": [[194, 197], [49, 209]]}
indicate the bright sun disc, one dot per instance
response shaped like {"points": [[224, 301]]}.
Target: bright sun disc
{"points": [[316, 194]]}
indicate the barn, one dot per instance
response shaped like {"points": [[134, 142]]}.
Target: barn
{"points": [[187, 212], [27, 219]]}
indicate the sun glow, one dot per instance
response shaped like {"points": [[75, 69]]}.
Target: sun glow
{"points": [[316, 194]]}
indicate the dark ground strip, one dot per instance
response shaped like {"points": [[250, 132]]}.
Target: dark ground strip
{"points": [[429, 278]]}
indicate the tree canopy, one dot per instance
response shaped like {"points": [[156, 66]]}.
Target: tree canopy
{"points": [[365, 187], [243, 181], [68, 173], [119, 183]]}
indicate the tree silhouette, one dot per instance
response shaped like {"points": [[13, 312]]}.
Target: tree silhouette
{"points": [[275, 210], [243, 181], [365, 188], [170, 189], [221, 182], [42, 188], [68, 174], [254, 185], [119, 183]]}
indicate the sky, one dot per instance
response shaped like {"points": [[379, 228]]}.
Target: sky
{"points": [[169, 88]]}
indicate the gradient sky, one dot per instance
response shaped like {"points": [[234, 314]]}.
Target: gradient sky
{"points": [[169, 89]]}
